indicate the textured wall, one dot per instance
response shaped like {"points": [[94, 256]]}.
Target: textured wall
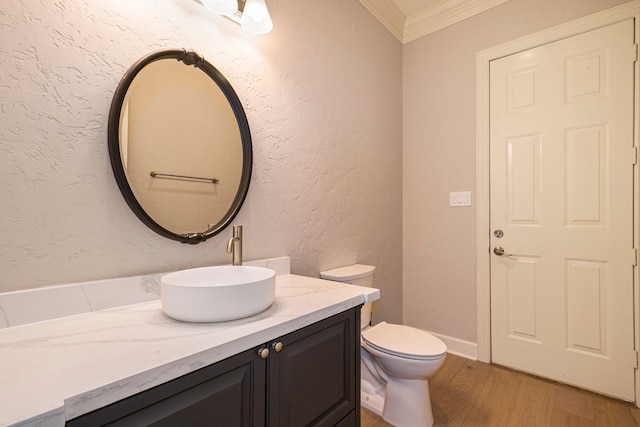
{"points": [[322, 93], [439, 107]]}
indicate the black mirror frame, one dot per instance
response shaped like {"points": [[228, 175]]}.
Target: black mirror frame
{"points": [[189, 57]]}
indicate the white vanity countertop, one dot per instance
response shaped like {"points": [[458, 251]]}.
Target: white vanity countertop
{"points": [[59, 369]]}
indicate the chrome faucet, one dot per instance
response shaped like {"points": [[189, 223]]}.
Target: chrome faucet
{"points": [[234, 246]]}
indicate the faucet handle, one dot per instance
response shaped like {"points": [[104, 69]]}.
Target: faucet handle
{"points": [[234, 246], [230, 244]]}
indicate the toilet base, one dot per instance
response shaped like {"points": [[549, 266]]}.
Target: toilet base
{"points": [[371, 400], [404, 403], [408, 403]]}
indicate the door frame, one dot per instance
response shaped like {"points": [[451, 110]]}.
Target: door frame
{"points": [[483, 242]]}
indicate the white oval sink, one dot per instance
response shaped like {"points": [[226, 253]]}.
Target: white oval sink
{"points": [[217, 294]]}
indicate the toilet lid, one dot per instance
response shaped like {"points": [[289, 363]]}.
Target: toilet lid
{"points": [[350, 272], [404, 341]]}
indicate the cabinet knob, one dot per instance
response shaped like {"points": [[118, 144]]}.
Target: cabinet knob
{"points": [[277, 346], [263, 352]]}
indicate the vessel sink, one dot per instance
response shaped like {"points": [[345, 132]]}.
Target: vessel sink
{"points": [[217, 294]]}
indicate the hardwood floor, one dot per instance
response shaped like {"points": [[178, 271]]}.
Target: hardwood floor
{"points": [[470, 393]]}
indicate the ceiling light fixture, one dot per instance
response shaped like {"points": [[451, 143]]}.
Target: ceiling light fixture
{"points": [[252, 15], [255, 17]]}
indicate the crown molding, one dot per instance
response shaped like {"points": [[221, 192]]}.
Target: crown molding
{"points": [[388, 14], [440, 14], [445, 13]]}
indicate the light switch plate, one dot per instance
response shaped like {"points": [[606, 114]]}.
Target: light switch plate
{"points": [[460, 198]]}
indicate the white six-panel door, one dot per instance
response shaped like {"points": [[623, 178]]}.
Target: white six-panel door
{"points": [[561, 189]]}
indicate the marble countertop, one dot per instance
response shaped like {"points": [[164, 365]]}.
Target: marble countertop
{"points": [[59, 369]]}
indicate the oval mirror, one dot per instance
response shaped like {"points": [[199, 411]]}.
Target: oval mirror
{"points": [[179, 145]]}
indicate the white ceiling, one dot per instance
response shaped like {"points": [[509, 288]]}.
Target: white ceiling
{"points": [[408, 20]]}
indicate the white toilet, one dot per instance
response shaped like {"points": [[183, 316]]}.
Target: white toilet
{"points": [[396, 361]]}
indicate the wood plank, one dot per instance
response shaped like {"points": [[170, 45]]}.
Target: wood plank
{"points": [[534, 393], [573, 401], [610, 412], [497, 399], [460, 395]]}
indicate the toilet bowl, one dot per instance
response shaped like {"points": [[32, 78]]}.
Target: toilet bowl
{"points": [[396, 361]]}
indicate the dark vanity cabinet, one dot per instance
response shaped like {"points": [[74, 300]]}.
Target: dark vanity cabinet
{"points": [[310, 377]]}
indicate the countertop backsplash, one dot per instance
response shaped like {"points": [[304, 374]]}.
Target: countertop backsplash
{"points": [[53, 302]]}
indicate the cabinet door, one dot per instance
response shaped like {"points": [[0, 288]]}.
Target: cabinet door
{"points": [[314, 379], [228, 393]]}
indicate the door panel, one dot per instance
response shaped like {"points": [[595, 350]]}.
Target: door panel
{"points": [[561, 190], [586, 290], [311, 381], [587, 170], [522, 298]]}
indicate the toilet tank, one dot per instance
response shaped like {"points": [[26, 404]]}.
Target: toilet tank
{"points": [[357, 274]]}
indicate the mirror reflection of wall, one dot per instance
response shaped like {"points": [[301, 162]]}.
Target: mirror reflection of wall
{"points": [[176, 120]]}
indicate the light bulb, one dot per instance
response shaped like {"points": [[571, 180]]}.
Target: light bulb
{"points": [[222, 7], [255, 17]]}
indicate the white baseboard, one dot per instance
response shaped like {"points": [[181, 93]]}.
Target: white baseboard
{"points": [[466, 349]]}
